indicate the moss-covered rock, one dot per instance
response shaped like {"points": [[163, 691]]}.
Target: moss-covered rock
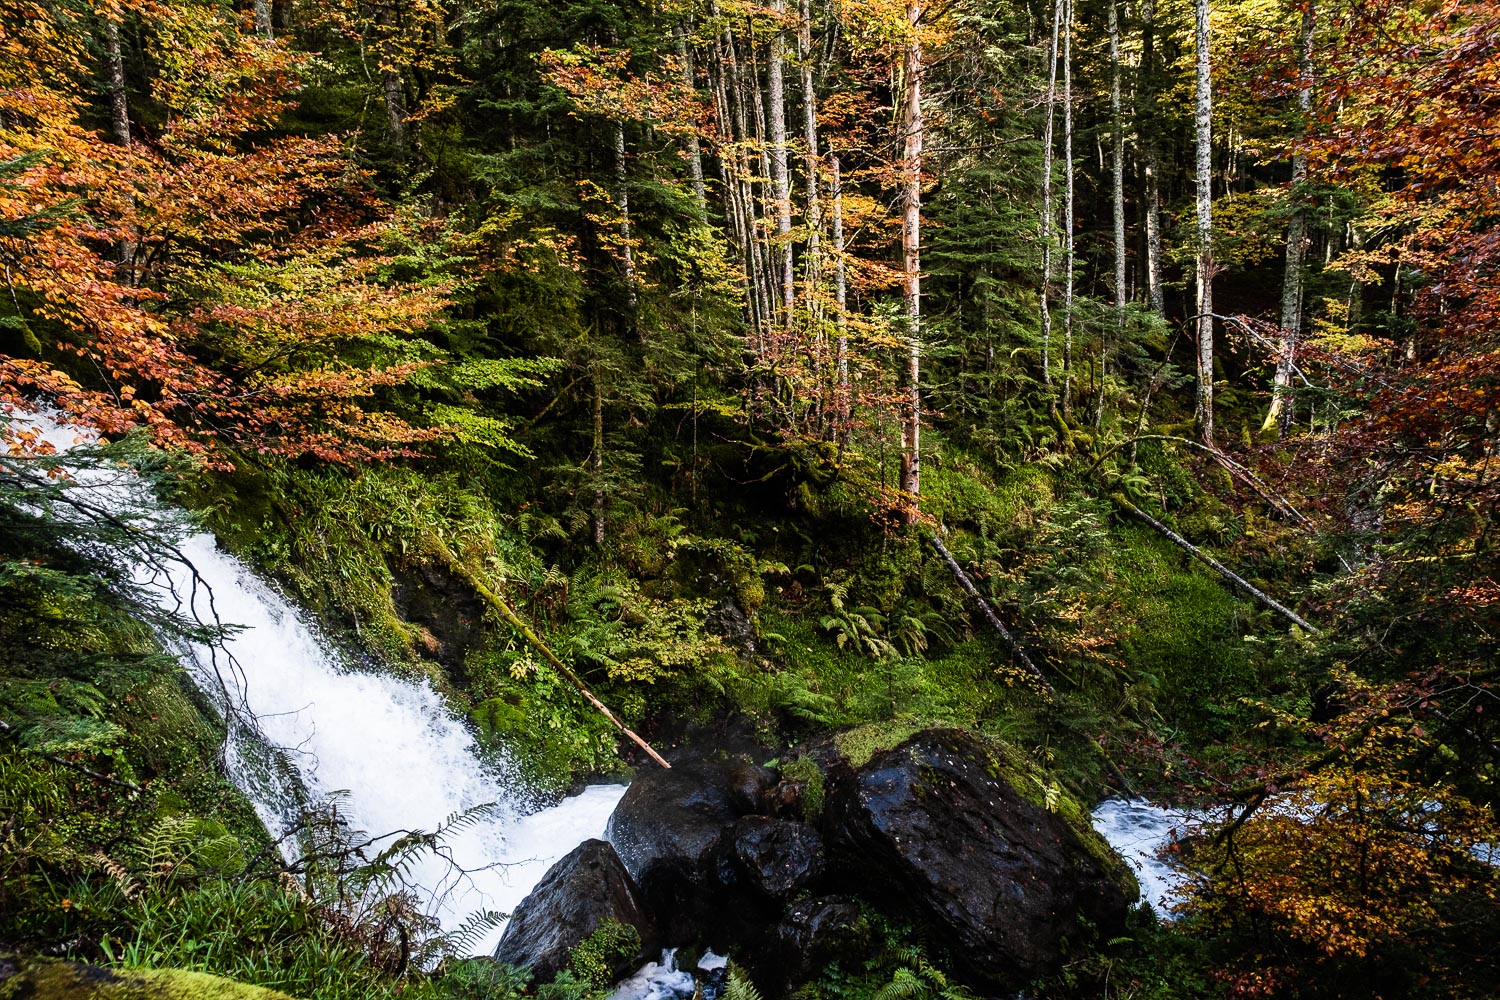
{"points": [[54, 979], [947, 828]]}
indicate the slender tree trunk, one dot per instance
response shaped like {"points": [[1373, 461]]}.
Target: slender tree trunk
{"points": [[813, 264], [695, 152], [1068, 261], [262, 13], [780, 175], [119, 115], [622, 196], [597, 460], [114, 72], [1280, 414], [1146, 136], [840, 299], [393, 91], [767, 262], [1117, 127], [1218, 567], [497, 602], [911, 258], [729, 181], [1203, 127], [745, 194], [1046, 220]]}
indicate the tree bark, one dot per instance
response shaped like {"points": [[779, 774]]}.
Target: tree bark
{"points": [[1068, 258], [596, 460], [393, 91], [119, 121], [988, 612], [622, 196], [911, 259], [841, 301], [1117, 127], [813, 265], [1281, 411], [1203, 129], [780, 175], [1046, 219], [1146, 137], [262, 13], [767, 256], [695, 151], [1218, 567], [114, 72]]}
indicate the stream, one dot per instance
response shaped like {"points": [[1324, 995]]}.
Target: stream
{"points": [[397, 759]]}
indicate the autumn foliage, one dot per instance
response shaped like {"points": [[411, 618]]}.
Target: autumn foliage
{"points": [[213, 282]]}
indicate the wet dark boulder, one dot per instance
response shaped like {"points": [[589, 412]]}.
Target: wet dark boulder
{"points": [[772, 858], [669, 830], [938, 829], [586, 890], [812, 933]]}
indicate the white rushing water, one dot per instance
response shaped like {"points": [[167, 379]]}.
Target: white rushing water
{"points": [[1138, 831], [388, 746]]}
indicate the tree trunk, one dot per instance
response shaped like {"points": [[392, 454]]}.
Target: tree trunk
{"points": [[1281, 412], [1146, 136], [622, 196], [988, 611], [743, 193], [1068, 262], [392, 89], [767, 261], [1117, 127], [695, 152], [1046, 220], [262, 13], [813, 264], [911, 258], [597, 459], [119, 116], [780, 176], [1203, 128], [841, 301], [114, 72], [493, 598], [1218, 567]]}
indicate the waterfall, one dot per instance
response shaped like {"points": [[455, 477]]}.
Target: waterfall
{"points": [[387, 746]]}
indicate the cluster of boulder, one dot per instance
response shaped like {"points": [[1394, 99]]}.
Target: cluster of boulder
{"points": [[725, 852]]}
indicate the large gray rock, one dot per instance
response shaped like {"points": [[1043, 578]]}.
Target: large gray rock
{"points": [[935, 829], [578, 895]]}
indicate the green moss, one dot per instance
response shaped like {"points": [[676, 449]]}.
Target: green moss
{"points": [[55, 979], [803, 769], [598, 956], [859, 744]]}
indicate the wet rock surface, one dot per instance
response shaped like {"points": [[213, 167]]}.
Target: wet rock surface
{"points": [[814, 932], [583, 891], [669, 829], [771, 857], [935, 828]]}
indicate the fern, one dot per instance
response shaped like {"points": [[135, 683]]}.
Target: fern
{"points": [[463, 939], [739, 986]]}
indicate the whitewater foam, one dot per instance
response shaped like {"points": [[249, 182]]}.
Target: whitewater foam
{"points": [[388, 747]]}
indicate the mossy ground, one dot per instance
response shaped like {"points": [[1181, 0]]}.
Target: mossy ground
{"points": [[54, 979]]}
